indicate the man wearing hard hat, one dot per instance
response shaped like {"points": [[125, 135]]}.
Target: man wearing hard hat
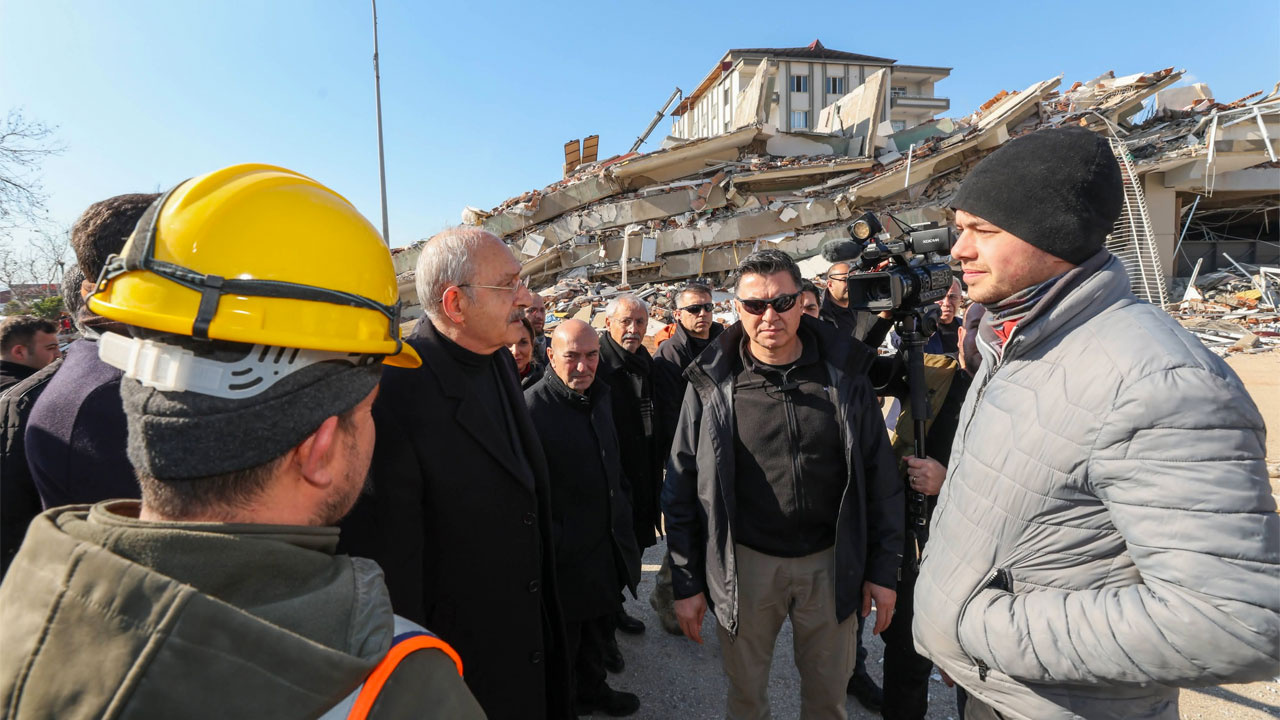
{"points": [[261, 307]]}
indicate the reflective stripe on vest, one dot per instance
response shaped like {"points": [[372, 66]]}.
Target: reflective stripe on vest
{"points": [[410, 637]]}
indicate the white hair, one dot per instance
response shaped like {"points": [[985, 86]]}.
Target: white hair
{"points": [[626, 299], [448, 258]]}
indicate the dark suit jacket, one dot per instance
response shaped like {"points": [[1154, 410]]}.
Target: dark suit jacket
{"points": [[462, 528]]}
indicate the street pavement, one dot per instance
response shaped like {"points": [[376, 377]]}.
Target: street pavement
{"points": [[677, 678]]}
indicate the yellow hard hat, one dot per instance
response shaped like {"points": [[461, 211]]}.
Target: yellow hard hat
{"points": [[262, 255]]}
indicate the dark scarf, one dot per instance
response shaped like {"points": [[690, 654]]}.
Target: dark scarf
{"points": [[1030, 303], [638, 366], [571, 397]]}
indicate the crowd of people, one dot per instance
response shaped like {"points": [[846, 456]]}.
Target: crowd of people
{"points": [[243, 493]]}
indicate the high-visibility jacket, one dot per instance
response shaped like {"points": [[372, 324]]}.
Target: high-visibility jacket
{"points": [[409, 638]]}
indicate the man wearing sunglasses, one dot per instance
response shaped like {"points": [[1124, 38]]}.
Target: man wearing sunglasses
{"points": [[695, 329], [835, 308], [782, 497]]}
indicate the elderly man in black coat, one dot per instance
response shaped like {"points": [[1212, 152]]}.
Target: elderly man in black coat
{"points": [[459, 513], [595, 546], [627, 368]]}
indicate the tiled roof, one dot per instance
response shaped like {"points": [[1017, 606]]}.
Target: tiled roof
{"points": [[814, 51]]}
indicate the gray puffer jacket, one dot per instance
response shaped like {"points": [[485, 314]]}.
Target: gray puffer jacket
{"points": [[1106, 530]]}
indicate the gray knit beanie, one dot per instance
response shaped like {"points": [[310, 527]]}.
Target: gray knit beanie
{"points": [[1059, 190], [187, 435]]}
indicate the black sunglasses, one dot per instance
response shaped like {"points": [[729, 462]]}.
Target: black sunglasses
{"points": [[699, 308], [780, 304]]}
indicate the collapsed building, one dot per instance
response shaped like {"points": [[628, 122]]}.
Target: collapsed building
{"points": [[1201, 179]]}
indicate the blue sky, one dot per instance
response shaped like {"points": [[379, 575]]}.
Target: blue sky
{"points": [[479, 98]]}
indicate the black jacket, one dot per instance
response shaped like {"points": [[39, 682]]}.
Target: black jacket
{"points": [[858, 323], [643, 451], [76, 438], [698, 498], [669, 382], [19, 501], [595, 545], [12, 373], [536, 372], [462, 529]]}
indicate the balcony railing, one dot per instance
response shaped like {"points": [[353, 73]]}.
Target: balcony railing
{"points": [[922, 102]]}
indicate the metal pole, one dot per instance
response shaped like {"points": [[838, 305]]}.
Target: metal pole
{"points": [[377, 91]]}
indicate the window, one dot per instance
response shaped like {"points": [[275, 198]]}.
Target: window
{"points": [[726, 94], [799, 83], [898, 125], [799, 119], [898, 91], [835, 85]]}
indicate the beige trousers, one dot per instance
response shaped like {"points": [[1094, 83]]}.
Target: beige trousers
{"points": [[770, 589]]}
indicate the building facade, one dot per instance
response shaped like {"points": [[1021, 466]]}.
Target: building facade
{"points": [[799, 83]]}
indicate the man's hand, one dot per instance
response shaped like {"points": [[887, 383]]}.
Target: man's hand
{"points": [[690, 612], [946, 679], [884, 597], [925, 475]]}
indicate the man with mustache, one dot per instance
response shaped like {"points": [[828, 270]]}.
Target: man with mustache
{"points": [[458, 515], [627, 368], [695, 328], [782, 498], [537, 315], [1106, 532], [595, 547]]}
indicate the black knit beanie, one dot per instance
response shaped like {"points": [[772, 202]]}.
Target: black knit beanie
{"points": [[186, 435], [1059, 190]]}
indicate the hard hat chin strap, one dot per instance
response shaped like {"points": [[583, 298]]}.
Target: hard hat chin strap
{"points": [[170, 368]]}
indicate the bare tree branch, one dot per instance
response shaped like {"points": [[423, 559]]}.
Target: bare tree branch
{"points": [[24, 144]]}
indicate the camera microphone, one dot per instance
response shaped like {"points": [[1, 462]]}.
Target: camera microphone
{"points": [[835, 251]]}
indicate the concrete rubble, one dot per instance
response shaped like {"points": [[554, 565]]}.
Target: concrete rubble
{"points": [[695, 208]]}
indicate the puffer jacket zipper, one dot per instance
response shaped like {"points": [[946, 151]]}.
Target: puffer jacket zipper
{"points": [[1000, 579]]}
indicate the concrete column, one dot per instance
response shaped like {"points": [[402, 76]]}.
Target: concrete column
{"points": [[1162, 209]]}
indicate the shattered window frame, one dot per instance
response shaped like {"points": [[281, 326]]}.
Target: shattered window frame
{"points": [[800, 83]]}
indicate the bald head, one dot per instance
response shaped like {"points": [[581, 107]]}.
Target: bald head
{"points": [[574, 354], [838, 283]]}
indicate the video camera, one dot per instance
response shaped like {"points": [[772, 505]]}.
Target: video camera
{"points": [[916, 276]]}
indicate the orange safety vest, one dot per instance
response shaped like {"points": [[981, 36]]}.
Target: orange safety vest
{"points": [[409, 639]]}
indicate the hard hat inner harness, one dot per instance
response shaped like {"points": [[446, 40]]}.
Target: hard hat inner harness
{"points": [[141, 256]]}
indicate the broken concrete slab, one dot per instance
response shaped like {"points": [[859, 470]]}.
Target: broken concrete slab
{"points": [[752, 107], [858, 113], [570, 197], [667, 165]]}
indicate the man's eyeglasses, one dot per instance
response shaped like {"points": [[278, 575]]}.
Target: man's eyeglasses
{"points": [[780, 304], [842, 277], [512, 288], [698, 308]]}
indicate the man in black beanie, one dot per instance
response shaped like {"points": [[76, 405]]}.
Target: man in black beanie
{"points": [[1105, 532]]}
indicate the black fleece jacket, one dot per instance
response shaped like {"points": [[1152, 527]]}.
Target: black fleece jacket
{"points": [[699, 498]]}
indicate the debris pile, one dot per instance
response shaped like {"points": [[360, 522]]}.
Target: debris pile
{"points": [[695, 208], [1233, 311]]}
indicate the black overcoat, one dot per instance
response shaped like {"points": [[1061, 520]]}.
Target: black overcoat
{"points": [[596, 550], [643, 456], [462, 529]]}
